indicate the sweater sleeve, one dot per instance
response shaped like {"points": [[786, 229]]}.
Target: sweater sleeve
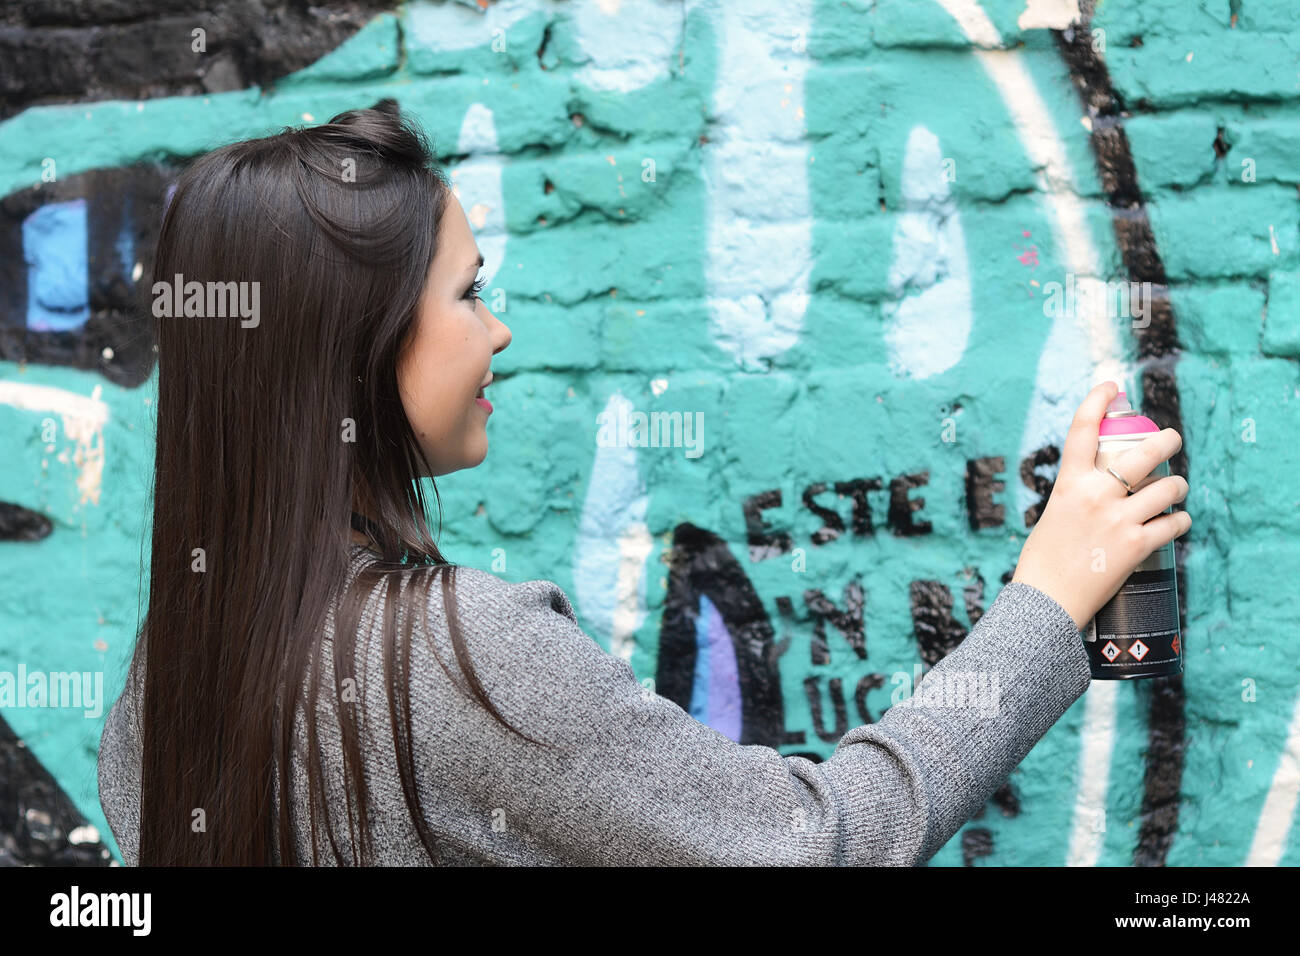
{"points": [[118, 768], [636, 780]]}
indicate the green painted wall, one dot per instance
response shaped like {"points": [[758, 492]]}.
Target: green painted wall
{"points": [[840, 265]]}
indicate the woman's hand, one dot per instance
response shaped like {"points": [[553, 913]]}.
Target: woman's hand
{"points": [[1093, 533]]}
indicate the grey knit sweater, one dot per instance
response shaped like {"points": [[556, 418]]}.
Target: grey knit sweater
{"points": [[640, 781]]}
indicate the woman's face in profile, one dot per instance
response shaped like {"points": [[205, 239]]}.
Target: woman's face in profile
{"points": [[448, 359]]}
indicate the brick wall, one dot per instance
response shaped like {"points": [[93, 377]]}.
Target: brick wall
{"points": [[828, 233]]}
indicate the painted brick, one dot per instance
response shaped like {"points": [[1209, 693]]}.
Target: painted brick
{"points": [[841, 28], [1271, 145], [1123, 22], [1233, 65], [1220, 319], [1257, 564], [1266, 15], [1282, 323], [1253, 228], [781, 135], [900, 23], [1264, 458], [1174, 149]]}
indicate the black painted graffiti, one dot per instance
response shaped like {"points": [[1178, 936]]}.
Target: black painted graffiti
{"points": [[702, 567], [42, 826], [22, 524], [937, 631], [1158, 350], [705, 575], [89, 50], [847, 621], [109, 219], [981, 484], [977, 842], [1048, 455], [113, 220]]}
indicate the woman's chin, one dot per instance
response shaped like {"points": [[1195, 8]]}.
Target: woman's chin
{"points": [[471, 456], [475, 454], [483, 453]]}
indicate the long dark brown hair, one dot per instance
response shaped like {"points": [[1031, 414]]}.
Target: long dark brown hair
{"points": [[271, 431]]}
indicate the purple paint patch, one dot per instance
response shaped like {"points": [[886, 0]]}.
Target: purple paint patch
{"points": [[724, 708]]}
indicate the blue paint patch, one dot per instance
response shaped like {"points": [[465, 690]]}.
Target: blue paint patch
{"points": [[715, 690], [58, 270], [125, 246], [700, 685]]}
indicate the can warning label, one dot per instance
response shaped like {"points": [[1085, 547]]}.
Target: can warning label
{"points": [[1136, 634]]}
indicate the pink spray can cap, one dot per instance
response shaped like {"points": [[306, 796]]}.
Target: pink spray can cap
{"points": [[1122, 419]]}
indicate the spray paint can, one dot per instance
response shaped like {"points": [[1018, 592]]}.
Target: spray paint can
{"points": [[1136, 634]]}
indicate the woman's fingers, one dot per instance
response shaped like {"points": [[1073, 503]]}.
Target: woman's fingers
{"points": [[1160, 531], [1090, 510], [1156, 497], [1080, 451], [1141, 460]]}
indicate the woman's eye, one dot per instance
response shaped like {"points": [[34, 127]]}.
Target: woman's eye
{"points": [[472, 293]]}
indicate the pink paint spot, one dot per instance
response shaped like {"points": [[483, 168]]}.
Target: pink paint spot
{"points": [[1027, 257]]}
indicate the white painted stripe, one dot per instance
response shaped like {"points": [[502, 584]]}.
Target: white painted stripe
{"points": [[46, 398], [626, 47], [457, 26], [928, 325], [634, 546], [612, 544], [477, 184], [84, 419], [1063, 376], [1049, 14], [756, 178], [1089, 823], [1275, 819]]}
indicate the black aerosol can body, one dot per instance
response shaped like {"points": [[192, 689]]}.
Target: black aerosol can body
{"points": [[1136, 633]]}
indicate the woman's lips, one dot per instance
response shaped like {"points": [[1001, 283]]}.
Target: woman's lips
{"points": [[485, 404]]}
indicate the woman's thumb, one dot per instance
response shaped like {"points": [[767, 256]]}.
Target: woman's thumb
{"points": [[1080, 452]]}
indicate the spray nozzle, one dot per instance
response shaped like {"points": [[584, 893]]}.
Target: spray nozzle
{"points": [[1119, 405]]}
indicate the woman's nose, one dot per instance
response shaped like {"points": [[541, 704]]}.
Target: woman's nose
{"points": [[500, 335]]}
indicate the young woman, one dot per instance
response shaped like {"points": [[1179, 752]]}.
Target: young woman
{"points": [[290, 698]]}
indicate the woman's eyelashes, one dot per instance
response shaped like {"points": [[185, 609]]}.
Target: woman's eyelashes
{"points": [[472, 292]]}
